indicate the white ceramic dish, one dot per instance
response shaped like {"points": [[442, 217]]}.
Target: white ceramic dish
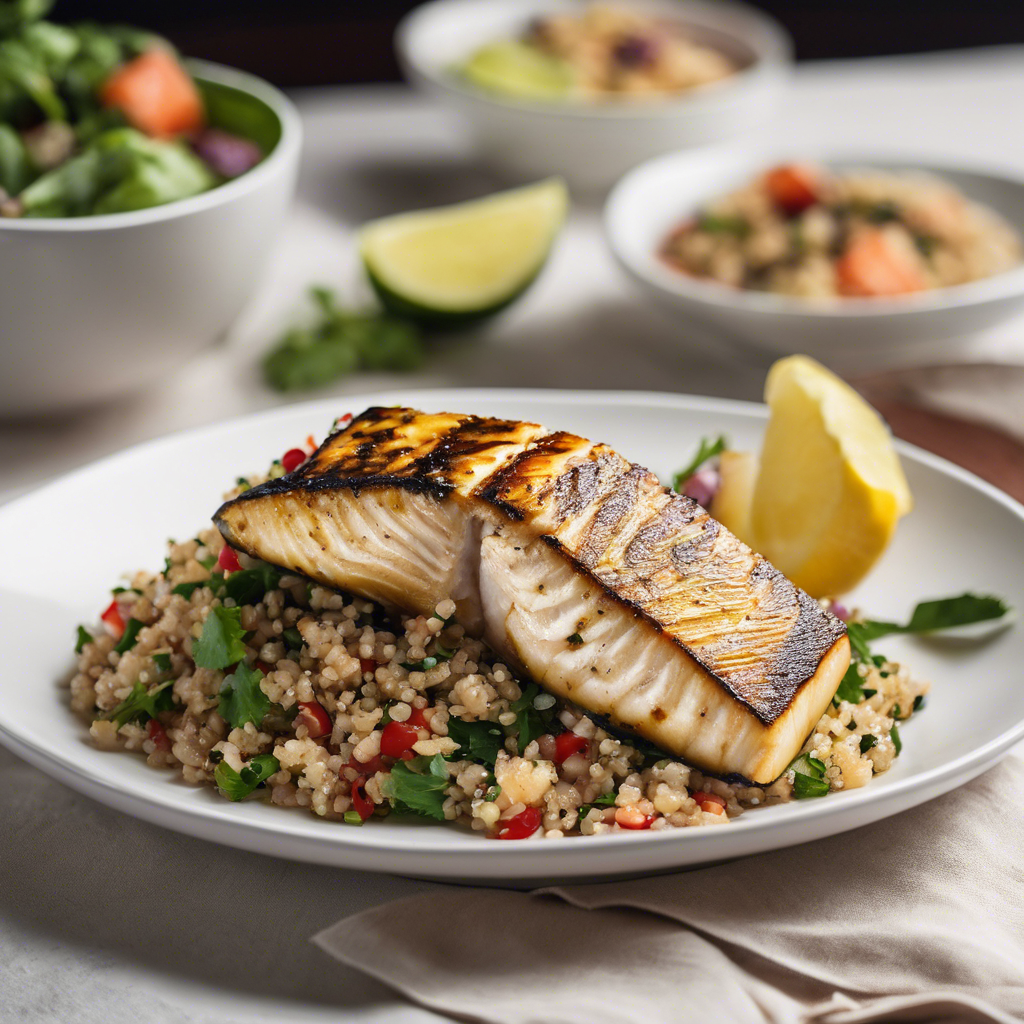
{"points": [[848, 334], [592, 144], [75, 536], [94, 307]]}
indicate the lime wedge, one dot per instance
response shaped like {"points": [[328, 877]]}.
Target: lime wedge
{"points": [[463, 262], [518, 70]]}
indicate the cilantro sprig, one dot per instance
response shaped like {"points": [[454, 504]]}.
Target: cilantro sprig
{"points": [[220, 643], [238, 785], [242, 699], [478, 741], [143, 704], [418, 786]]}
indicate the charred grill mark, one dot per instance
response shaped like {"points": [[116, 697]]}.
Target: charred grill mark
{"points": [[650, 540], [696, 549], [614, 508]]}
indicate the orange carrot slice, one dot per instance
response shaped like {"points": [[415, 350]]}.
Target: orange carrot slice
{"points": [[156, 94]]}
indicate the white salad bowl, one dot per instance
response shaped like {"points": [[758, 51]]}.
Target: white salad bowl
{"points": [[849, 334], [94, 307], [592, 143]]}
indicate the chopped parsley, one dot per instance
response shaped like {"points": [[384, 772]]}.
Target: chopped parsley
{"points": [[919, 702], [143, 704], [220, 643], [292, 639], [575, 640], [129, 636], [851, 688], [478, 741], [708, 450], [162, 662], [247, 586], [238, 785], [242, 699], [599, 802], [186, 590], [84, 637], [894, 735], [723, 224], [808, 777], [867, 742], [937, 615], [532, 720], [418, 786]]}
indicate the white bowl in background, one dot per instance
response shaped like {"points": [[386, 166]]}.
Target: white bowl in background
{"points": [[846, 333], [94, 307], [591, 144]]}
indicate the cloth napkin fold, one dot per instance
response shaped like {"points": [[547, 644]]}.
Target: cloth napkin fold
{"points": [[919, 917]]}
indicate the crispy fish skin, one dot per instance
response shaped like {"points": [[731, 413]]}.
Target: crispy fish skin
{"points": [[574, 564]]}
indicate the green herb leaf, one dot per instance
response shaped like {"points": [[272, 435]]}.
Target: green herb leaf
{"points": [[186, 590], [247, 586], [708, 450], [418, 786], [84, 637], [478, 741], [162, 662], [353, 818], [894, 735], [809, 777], [723, 224], [858, 635], [531, 721], [851, 688], [919, 702], [142, 704], [129, 636], [867, 742], [292, 638], [943, 613], [575, 640], [241, 698], [238, 785], [220, 644]]}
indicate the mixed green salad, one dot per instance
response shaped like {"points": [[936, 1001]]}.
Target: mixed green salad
{"points": [[106, 119]]}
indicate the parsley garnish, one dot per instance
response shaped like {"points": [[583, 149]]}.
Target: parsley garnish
{"points": [[531, 721], [220, 644], [809, 777], [933, 616], [162, 662], [867, 742], [241, 698], [575, 640], [418, 786], [128, 637], [292, 638], [852, 686], [894, 735], [247, 586], [142, 704], [238, 785], [478, 741], [724, 224], [708, 450], [84, 637], [599, 802]]}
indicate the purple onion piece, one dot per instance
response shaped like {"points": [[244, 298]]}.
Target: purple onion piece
{"points": [[703, 485], [840, 611], [226, 154], [635, 51]]}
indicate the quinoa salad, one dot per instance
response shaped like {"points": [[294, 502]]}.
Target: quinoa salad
{"points": [[805, 231], [238, 675]]}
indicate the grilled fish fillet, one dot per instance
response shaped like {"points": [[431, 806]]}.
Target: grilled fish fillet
{"points": [[575, 565]]}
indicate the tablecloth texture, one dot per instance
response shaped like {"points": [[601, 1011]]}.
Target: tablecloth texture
{"points": [[917, 918]]}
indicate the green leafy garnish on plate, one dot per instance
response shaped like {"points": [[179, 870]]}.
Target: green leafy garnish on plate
{"points": [[238, 785], [129, 636], [220, 643], [143, 704], [938, 615], [808, 777], [242, 699], [84, 637], [708, 450], [478, 741], [418, 786]]}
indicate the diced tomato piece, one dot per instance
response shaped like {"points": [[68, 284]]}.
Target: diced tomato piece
{"points": [[227, 560], [633, 818], [313, 715], [398, 737], [156, 95], [793, 187], [292, 459], [419, 718], [702, 798], [360, 801], [522, 826], [367, 665], [112, 617], [876, 264], [371, 767], [567, 744], [263, 666], [158, 734]]}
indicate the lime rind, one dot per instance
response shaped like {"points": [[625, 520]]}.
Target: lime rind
{"points": [[516, 69]]}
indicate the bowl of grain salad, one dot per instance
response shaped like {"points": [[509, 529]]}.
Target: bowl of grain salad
{"points": [[858, 260], [589, 90]]}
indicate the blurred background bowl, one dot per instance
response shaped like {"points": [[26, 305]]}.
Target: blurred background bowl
{"points": [[849, 334], [94, 307], [591, 144]]}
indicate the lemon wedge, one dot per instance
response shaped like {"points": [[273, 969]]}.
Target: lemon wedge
{"points": [[829, 489], [464, 262], [520, 71]]}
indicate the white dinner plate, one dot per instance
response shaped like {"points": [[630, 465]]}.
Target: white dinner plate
{"points": [[67, 544]]}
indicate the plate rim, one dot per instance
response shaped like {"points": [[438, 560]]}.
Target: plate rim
{"points": [[289, 829]]}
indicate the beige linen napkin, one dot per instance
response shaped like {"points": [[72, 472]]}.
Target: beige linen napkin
{"points": [[917, 918]]}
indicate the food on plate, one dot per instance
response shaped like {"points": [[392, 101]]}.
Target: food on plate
{"points": [[259, 680], [823, 499], [98, 120], [807, 231], [340, 342], [572, 563], [460, 263], [597, 53]]}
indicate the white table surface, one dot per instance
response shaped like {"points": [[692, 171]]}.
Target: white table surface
{"points": [[374, 151]]}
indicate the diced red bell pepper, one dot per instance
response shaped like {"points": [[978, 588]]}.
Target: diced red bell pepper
{"points": [[371, 767], [112, 617], [314, 717], [292, 459], [793, 187], [567, 744], [362, 804], [522, 826], [367, 665], [156, 94], [227, 560], [158, 734], [398, 737]]}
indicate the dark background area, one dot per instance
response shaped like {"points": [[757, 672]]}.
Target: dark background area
{"points": [[317, 42]]}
